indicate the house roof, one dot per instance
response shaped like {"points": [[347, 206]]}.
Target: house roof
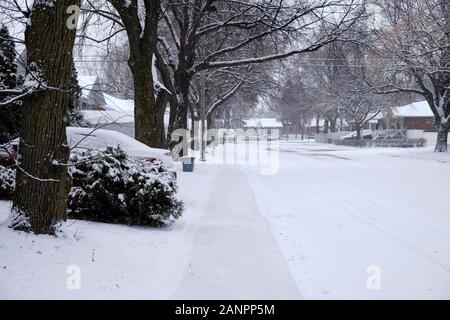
{"points": [[96, 117], [116, 110], [87, 83], [263, 123], [416, 109], [91, 90], [119, 105]]}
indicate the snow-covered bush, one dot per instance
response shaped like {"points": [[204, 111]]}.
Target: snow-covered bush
{"points": [[110, 187], [389, 134], [7, 183], [76, 119]]}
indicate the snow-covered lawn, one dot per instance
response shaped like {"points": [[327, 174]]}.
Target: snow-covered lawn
{"points": [[116, 262], [311, 230]]}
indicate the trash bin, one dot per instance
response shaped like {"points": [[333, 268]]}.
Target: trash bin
{"points": [[188, 164]]}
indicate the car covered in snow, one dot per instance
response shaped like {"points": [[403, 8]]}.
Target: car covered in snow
{"points": [[365, 134], [88, 138], [8, 154], [100, 139]]}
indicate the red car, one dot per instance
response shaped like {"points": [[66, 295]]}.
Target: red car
{"points": [[8, 153]]}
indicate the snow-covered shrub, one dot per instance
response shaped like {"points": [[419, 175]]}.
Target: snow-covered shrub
{"points": [[76, 119], [7, 183], [389, 134], [110, 187]]}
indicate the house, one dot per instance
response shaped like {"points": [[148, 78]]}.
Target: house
{"points": [[414, 116], [236, 123], [21, 63], [92, 97], [263, 123], [115, 114]]}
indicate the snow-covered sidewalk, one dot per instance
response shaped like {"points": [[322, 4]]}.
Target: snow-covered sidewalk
{"points": [[221, 248], [233, 254]]}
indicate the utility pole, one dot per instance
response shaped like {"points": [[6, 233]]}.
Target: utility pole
{"points": [[202, 116]]}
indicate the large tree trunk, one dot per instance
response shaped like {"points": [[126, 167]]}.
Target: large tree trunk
{"points": [[358, 131], [325, 126], [148, 111], [179, 120], [43, 181], [333, 122], [140, 20], [442, 136], [147, 129]]}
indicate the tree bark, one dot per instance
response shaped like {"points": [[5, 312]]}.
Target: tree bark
{"points": [[333, 122], [147, 128], [142, 37], [442, 136], [179, 121], [358, 132], [42, 183]]}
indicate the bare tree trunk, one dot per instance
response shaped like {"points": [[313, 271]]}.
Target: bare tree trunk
{"points": [[179, 120], [147, 128], [211, 120], [42, 183], [358, 132], [442, 136], [333, 122], [142, 37], [317, 123]]}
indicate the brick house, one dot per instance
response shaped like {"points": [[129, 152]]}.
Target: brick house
{"points": [[414, 116]]}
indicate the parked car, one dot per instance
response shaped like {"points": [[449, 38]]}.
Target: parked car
{"points": [[365, 134], [88, 138], [8, 154]]}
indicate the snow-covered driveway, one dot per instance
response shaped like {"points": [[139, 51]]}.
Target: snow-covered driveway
{"points": [[343, 215]]}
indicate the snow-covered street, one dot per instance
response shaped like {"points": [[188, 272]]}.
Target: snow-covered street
{"points": [[338, 211], [312, 230]]}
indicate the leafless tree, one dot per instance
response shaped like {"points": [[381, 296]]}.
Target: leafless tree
{"points": [[412, 50], [46, 97], [235, 28]]}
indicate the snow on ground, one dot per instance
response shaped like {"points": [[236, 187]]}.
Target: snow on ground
{"points": [[222, 248], [336, 211], [116, 262], [311, 228]]}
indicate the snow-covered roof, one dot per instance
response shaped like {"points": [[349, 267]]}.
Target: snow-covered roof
{"points": [[96, 117], [118, 111], [416, 109], [263, 123], [87, 83], [119, 105]]}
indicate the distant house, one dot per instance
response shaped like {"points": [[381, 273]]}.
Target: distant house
{"points": [[92, 97], [21, 63], [313, 126], [414, 116], [237, 123], [263, 123]]}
